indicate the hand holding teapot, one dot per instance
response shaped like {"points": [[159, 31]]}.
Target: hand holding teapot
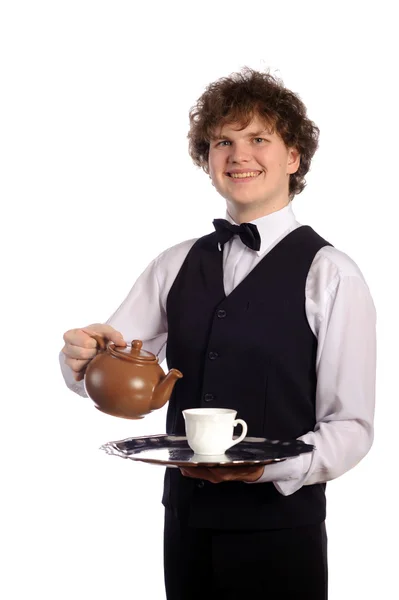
{"points": [[123, 381], [81, 346]]}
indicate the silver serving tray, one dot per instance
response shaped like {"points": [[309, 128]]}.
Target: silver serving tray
{"points": [[174, 451]]}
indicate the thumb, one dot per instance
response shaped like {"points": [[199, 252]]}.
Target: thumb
{"points": [[107, 333], [117, 338]]}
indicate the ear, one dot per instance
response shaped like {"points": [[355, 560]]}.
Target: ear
{"points": [[294, 160]]}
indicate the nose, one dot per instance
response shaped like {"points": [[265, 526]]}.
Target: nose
{"points": [[239, 153]]}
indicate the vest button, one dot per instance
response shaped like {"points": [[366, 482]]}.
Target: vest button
{"points": [[221, 313], [209, 397], [213, 355], [200, 484]]}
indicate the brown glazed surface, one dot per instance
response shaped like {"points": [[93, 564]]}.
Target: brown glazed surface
{"points": [[128, 382]]}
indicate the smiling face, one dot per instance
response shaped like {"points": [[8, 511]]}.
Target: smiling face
{"points": [[251, 169]]}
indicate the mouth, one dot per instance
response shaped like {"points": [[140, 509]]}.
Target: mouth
{"points": [[243, 176]]}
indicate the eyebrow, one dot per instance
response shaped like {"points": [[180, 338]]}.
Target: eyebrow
{"points": [[250, 134]]}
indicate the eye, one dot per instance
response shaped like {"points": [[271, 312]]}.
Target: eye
{"points": [[259, 139], [223, 142]]}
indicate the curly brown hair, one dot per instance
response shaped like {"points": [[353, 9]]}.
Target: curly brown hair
{"points": [[242, 96]]}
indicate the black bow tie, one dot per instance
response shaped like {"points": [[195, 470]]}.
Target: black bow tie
{"points": [[248, 233]]}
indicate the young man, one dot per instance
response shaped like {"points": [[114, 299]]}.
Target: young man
{"points": [[266, 317]]}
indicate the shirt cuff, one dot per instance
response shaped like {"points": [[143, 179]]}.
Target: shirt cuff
{"points": [[75, 386], [287, 476]]}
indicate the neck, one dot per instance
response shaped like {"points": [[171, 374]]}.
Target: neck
{"points": [[246, 213]]}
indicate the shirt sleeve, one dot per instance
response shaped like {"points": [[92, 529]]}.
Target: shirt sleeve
{"points": [[345, 392], [140, 316]]}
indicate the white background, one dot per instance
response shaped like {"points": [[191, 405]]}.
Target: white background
{"points": [[95, 182]]}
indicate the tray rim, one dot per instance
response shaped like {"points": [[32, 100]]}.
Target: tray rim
{"points": [[112, 449]]}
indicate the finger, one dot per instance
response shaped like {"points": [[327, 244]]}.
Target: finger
{"points": [[201, 473], [79, 376], [76, 365], [188, 472], [107, 332], [239, 473], [78, 352], [219, 474], [78, 337], [83, 337], [193, 472]]}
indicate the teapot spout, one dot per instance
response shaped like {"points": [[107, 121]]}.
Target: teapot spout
{"points": [[164, 389]]}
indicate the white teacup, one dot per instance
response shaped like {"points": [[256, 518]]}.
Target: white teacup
{"points": [[209, 431]]}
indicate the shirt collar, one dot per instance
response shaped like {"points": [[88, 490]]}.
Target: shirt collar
{"points": [[272, 226]]}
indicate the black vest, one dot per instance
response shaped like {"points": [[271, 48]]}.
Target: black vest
{"points": [[252, 351]]}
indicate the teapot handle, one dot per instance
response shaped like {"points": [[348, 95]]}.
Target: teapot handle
{"points": [[101, 343]]}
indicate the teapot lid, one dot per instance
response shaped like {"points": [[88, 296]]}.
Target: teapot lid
{"points": [[134, 353]]}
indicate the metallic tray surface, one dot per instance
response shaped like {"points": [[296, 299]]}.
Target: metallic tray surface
{"points": [[174, 451]]}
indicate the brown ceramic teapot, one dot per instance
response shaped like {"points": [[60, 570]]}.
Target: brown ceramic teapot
{"points": [[127, 382]]}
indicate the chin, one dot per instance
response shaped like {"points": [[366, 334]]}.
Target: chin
{"points": [[246, 201]]}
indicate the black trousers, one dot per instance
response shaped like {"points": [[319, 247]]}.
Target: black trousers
{"points": [[226, 565]]}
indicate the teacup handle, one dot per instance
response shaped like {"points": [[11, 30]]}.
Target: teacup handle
{"points": [[243, 434]]}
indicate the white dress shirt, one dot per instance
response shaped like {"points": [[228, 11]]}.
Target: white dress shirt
{"points": [[342, 316]]}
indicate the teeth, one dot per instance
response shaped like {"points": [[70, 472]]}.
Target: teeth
{"points": [[242, 175]]}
